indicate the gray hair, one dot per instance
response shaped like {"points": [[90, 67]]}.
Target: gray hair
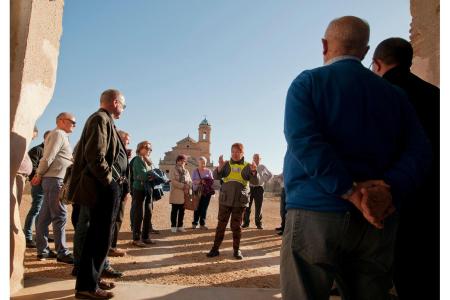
{"points": [[203, 158], [109, 95], [63, 115], [123, 133]]}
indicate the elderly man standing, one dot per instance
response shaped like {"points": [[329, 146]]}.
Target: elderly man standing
{"points": [[52, 167], [355, 150], [392, 60], [100, 165], [257, 193]]}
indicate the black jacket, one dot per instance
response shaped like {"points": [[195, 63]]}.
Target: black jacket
{"points": [[35, 154]]}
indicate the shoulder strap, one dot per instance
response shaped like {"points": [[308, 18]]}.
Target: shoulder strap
{"points": [[198, 171]]}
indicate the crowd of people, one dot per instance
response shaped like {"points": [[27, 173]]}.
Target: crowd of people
{"points": [[362, 161]]}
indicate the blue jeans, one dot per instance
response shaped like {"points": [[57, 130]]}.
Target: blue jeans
{"points": [[54, 212], [321, 247], [37, 196]]}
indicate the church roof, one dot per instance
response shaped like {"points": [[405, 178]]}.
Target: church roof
{"points": [[204, 122], [187, 139]]}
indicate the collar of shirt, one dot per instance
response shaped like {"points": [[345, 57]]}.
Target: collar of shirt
{"points": [[339, 58]]}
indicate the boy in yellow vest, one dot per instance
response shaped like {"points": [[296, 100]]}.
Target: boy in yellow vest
{"points": [[233, 198]]}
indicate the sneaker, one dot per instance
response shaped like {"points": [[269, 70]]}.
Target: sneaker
{"points": [[47, 255], [138, 243], [110, 272], [114, 252], [244, 225], [280, 232], [279, 228], [67, 259], [203, 227], [259, 227], [148, 242], [213, 253], [194, 226], [30, 244], [238, 254], [181, 229], [97, 294], [173, 229]]}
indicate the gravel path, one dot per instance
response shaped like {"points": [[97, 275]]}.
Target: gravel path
{"points": [[180, 258]]}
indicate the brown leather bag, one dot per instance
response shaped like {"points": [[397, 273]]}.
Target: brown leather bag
{"points": [[191, 201]]}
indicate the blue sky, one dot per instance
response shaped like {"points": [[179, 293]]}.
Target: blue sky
{"points": [[178, 60]]}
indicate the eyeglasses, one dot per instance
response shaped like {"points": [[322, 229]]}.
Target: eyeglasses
{"points": [[122, 103], [71, 121]]}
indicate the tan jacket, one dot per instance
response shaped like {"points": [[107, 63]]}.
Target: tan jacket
{"points": [[176, 187]]}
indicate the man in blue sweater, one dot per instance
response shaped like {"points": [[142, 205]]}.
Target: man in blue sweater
{"points": [[355, 150]]}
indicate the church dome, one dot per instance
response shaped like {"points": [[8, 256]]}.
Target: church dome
{"points": [[204, 122]]}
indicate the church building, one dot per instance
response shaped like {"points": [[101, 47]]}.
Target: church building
{"points": [[191, 148]]}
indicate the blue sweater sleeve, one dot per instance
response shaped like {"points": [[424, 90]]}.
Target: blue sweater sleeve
{"points": [[306, 144], [414, 163]]}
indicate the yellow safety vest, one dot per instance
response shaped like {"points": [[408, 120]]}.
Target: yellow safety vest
{"points": [[235, 173]]}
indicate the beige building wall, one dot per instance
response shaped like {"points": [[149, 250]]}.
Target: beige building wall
{"points": [[192, 148], [36, 28], [425, 30]]}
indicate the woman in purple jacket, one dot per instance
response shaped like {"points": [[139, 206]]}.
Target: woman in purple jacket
{"points": [[202, 176]]}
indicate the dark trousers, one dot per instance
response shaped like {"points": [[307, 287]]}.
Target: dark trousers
{"points": [[82, 216], [256, 195], [321, 247], [177, 215], [98, 238], [200, 212], [142, 215], [283, 208], [236, 220], [418, 238], [118, 223]]}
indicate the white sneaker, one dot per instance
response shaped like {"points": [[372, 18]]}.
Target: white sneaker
{"points": [[194, 226], [181, 229], [173, 229]]}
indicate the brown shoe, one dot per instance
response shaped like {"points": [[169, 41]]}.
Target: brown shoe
{"points": [[98, 294], [114, 252], [138, 243], [106, 285], [148, 242]]}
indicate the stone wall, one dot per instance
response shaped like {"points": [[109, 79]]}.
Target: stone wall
{"points": [[425, 29], [36, 28]]}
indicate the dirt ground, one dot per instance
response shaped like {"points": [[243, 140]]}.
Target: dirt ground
{"points": [[180, 258]]}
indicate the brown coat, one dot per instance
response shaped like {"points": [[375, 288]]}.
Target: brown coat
{"points": [[95, 153], [177, 188]]}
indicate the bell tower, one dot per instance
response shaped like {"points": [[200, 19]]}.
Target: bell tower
{"points": [[204, 139]]}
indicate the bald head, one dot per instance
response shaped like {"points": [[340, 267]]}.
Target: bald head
{"points": [[347, 35]]}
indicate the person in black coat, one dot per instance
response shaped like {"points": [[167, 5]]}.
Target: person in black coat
{"points": [[418, 232]]}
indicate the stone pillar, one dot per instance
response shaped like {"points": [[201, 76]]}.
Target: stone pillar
{"points": [[425, 28], [35, 32]]}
